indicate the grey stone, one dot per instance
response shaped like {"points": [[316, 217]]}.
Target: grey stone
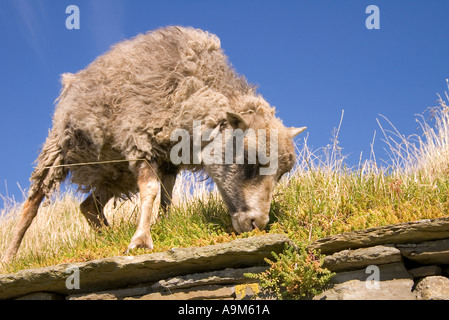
{"points": [[425, 271], [386, 272], [409, 232], [429, 252], [394, 283], [399, 289], [198, 293], [360, 258], [41, 296], [226, 276], [220, 277], [120, 272], [215, 292], [432, 288], [96, 296]]}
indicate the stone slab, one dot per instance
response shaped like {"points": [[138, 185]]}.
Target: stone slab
{"points": [[199, 293], [429, 252], [394, 283], [425, 271], [399, 289], [220, 277], [432, 288], [409, 232], [385, 272], [41, 296], [119, 272], [346, 260]]}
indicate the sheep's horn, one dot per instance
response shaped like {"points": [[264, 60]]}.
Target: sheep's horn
{"points": [[295, 131]]}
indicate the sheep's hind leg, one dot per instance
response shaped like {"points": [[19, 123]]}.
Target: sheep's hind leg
{"points": [[168, 182], [92, 209], [30, 209], [148, 183]]}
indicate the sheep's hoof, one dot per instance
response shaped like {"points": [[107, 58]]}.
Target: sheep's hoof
{"points": [[140, 241]]}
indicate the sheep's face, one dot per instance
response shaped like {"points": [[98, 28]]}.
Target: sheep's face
{"points": [[249, 171], [246, 193]]}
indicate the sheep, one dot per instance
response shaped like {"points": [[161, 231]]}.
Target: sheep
{"points": [[116, 121]]}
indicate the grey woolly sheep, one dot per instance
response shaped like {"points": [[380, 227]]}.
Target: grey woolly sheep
{"points": [[115, 123]]}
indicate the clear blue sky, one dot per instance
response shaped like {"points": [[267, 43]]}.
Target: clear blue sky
{"points": [[311, 59]]}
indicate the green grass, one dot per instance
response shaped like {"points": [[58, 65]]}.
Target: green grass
{"points": [[320, 197]]}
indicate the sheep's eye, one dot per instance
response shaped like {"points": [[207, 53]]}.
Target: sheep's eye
{"points": [[251, 171]]}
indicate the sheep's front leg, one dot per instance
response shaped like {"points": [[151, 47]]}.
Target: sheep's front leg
{"points": [[149, 188]]}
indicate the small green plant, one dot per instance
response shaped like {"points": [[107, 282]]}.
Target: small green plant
{"points": [[295, 274]]}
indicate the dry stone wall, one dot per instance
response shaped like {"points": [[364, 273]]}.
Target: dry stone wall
{"points": [[405, 261], [210, 272], [408, 261]]}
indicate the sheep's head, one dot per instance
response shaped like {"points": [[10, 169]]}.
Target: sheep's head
{"points": [[253, 153]]}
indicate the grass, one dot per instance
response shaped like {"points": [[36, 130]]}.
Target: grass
{"points": [[320, 197]]}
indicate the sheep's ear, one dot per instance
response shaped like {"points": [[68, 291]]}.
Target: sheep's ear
{"points": [[295, 131], [236, 121]]}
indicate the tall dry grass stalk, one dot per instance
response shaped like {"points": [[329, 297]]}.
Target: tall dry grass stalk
{"points": [[426, 154], [54, 227]]}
